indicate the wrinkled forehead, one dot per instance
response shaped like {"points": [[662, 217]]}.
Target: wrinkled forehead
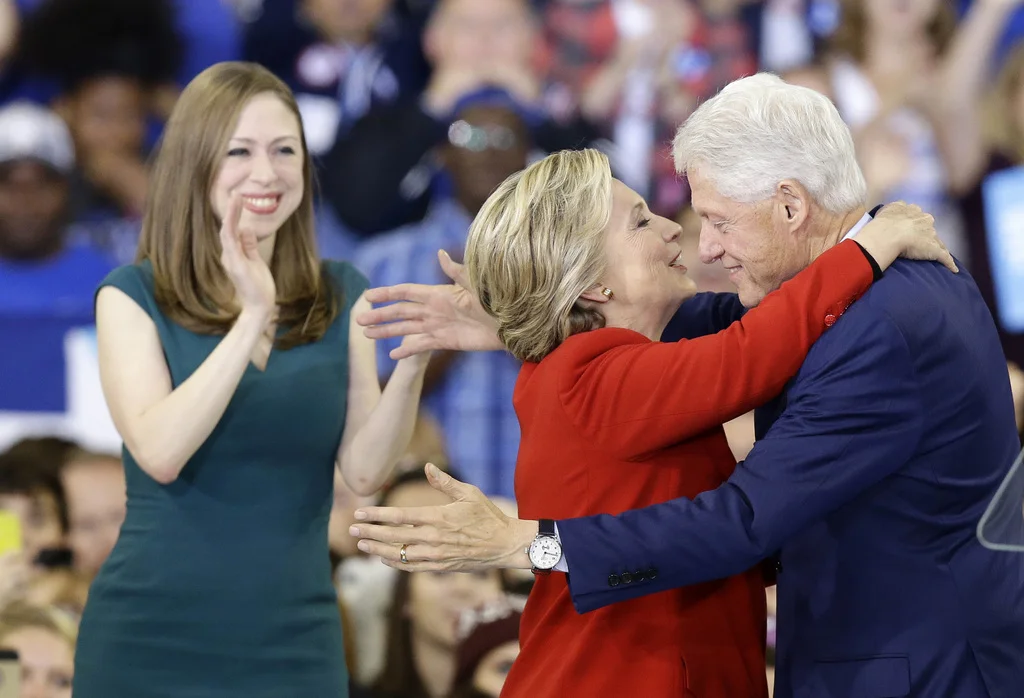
{"points": [[706, 201]]}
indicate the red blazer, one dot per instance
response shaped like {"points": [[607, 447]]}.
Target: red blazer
{"points": [[613, 421]]}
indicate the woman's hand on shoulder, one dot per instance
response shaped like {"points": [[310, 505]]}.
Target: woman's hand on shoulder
{"points": [[904, 230]]}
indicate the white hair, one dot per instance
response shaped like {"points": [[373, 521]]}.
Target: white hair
{"points": [[761, 130]]}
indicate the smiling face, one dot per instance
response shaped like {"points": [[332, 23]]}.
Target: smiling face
{"points": [[264, 163], [748, 239], [643, 265]]}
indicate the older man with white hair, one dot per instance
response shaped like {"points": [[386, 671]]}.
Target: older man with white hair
{"points": [[869, 475]]}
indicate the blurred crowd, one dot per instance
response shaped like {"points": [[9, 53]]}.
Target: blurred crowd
{"points": [[415, 110]]}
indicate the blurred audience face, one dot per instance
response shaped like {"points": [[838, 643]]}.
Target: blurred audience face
{"points": [[481, 34], [95, 492], [40, 521], [485, 145], [437, 600], [755, 251], [346, 20], [33, 204], [493, 669], [47, 662], [107, 114], [264, 163], [900, 16]]}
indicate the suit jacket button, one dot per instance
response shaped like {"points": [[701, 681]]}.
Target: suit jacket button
{"points": [[778, 566], [830, 320], [627, 578], [613, 580], [652, 574], [639, 576]]}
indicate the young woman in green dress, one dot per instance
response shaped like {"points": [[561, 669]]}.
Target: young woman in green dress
{"points": [[235, 375]]}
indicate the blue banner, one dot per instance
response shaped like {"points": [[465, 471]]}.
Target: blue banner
{"points": [[1004, 219]]}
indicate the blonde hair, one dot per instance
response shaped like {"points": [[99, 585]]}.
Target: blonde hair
{"points": [[179, 230], [19, 615], [536, 245]]}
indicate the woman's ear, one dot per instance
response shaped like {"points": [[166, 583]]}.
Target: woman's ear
{"points": [[598, 294]]}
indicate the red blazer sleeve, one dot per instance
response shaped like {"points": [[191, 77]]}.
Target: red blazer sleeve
{"points": [[632, 396]]}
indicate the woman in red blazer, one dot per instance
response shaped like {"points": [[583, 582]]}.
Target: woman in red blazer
{"points": [[582, 281]]}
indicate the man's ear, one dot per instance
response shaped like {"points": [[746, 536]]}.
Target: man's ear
{"points": [[793, 202]]}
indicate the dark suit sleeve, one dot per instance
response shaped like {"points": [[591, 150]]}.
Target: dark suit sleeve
{"points": [[854, 416], [704, 314]]}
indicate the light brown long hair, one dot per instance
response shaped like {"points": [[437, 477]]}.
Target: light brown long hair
{"points": [[850, 36], [179, 230]]}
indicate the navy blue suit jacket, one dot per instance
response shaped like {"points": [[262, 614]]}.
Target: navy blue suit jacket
{"points": [[868, 485]]}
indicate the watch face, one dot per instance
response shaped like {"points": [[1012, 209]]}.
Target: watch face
{"points": [[545, 553]]}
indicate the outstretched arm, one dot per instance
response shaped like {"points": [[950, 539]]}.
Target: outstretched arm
{"points": [[668, 392], [854, 417]]}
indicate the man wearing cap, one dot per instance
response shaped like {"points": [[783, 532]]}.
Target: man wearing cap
{"points": [[469, 394], [48, 281], [36, 158]]}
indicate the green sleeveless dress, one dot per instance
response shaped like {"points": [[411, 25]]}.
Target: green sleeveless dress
{"points": [[220, 583]]}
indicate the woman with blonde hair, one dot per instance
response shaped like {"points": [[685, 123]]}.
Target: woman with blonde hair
{"points": [[581, 280], [231, 372]]}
